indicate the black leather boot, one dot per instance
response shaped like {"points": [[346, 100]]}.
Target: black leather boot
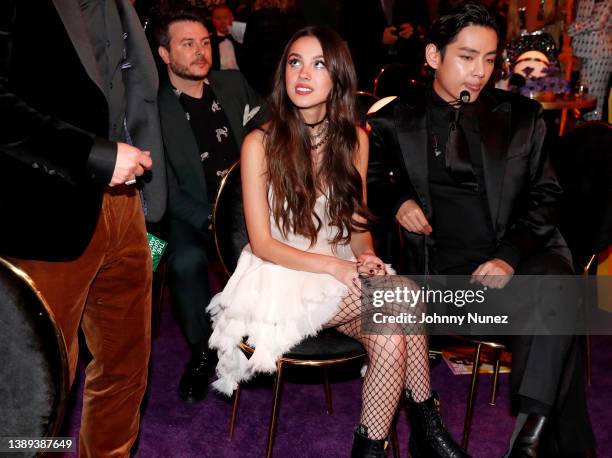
{"points": [[528, 439], [363, 447], [428, 436], [193, 386]]}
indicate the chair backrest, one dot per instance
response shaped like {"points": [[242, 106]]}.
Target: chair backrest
{"points": [[34, 371], [584, 166], [394, 79], [229, 228], [364, 100]]}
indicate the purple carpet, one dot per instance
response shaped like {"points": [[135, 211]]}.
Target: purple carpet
{"points": [[171, 428]]}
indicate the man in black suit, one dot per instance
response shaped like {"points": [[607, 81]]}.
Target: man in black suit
{"points": [[205, 115], [226, 50], [78, 103], [483, 163]]}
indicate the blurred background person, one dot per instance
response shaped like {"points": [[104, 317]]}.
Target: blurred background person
{"points": [[270, 25], [592, 42], [381, 32], [226, 50], [529, 16]]}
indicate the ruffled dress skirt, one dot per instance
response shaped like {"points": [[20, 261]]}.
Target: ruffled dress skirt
{"points": [[274, 308]]}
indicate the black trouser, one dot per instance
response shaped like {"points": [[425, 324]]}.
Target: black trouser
{"points": [[547, 371], [188, 280]]}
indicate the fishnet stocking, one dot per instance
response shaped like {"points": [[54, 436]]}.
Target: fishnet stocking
{"points": [[397, 359]]}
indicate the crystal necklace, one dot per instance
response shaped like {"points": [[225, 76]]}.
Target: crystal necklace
{"points": [[320, 137]]}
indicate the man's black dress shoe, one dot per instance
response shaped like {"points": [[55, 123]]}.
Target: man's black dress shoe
{"points": [[528, 439], [193, 386]]}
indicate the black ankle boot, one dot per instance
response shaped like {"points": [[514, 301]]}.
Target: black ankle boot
{"points": [[193, 386], [528, 439], [428, 436], [363, 447]]}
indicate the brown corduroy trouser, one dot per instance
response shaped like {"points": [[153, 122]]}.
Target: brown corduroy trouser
{"points": [[107, 290]]}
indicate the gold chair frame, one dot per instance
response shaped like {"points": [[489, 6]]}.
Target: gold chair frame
{"points": [[56, 419], [369, 94], [498, 348], [380, 74], [281, 363]]}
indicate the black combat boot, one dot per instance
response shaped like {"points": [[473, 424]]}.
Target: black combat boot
{"points": [[363, 447], [428, 436]]}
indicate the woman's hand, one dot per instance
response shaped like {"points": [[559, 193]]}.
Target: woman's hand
{"points": [[370, 264], [346, 273]]}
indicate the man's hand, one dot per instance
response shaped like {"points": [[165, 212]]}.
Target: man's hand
{"points": [[495, 273], [406, 30], [411, 217], [131, 163], [390, 35]]}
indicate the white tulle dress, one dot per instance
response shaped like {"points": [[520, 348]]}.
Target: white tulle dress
{"points": [[273, 306]]}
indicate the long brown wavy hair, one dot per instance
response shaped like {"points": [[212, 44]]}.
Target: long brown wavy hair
{"points": [[293, 181]]}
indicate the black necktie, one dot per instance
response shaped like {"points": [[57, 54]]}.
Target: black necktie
{"points": [[457, 155]]}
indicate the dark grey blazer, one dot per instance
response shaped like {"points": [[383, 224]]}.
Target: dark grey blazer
{"points": [[245, 110]]}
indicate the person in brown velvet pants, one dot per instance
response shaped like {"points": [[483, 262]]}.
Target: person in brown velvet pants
{"points": [[78, 90]]}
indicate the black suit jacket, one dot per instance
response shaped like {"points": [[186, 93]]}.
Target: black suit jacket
{"points": [[521, 187], [245, 110], [54, 108]]}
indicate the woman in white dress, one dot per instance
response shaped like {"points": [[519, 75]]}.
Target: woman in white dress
{"points": [[303, 182]]}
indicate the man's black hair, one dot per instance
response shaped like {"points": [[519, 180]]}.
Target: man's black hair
{"points": [[163, 18], [446, 28]]}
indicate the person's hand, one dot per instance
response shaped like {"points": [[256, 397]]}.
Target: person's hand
{"points": [[495, 274], [406, 30], [370, 264], [390, 35], [411, 217], [346, 273], [131, 163]]}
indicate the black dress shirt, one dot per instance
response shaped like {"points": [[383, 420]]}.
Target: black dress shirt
{"points": [[462, 227]]}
